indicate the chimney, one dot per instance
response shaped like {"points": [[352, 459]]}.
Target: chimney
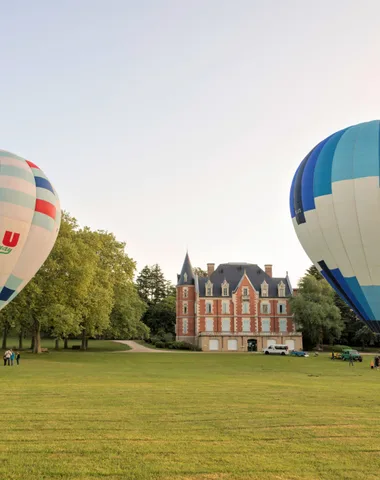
{"points": [[210, 269], [268, 270]]}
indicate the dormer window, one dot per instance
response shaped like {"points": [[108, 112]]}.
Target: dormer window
{"points": [[208, 289], [225, 289], [264, 289], [185, 277], [281, 289]]}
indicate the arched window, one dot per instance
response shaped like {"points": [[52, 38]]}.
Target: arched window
{"points": [[209, 288], [281, 289], [225, 289], [264, 289]]}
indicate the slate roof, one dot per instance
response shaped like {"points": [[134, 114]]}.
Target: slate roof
{"points": [[233, 272], [188, 269]]}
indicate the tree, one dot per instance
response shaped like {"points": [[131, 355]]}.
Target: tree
{"points": [[161, 317], [315, 313], [128, 308], [151, 284], [200, 272], [365, 336], [313, 271], [113, 268]]}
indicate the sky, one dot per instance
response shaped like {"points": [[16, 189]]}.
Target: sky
{"points": [[179, 124]]}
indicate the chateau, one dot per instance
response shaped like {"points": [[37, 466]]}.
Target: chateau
{"points": [[237, 307]]}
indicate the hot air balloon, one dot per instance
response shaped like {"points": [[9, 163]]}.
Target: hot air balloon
{"points": [[30, 217], [335, 208]]}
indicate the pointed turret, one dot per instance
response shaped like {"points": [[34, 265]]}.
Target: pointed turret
{"points": [[187, 275]]}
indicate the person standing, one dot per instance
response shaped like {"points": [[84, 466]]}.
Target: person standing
{"points": [[18, 356], [12, 357], [7, 358], [351, 358]]}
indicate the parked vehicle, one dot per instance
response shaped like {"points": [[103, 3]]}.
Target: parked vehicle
{"points": [[299, 353], [354, 353], [277, 350], [336, 356]]}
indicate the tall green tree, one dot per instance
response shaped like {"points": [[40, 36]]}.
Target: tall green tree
{"points": [[114, 268], [315, 312], [126, 314], [152, 285], [161, 317]]}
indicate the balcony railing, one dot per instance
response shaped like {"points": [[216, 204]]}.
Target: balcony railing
{"points": [[245, 297]]}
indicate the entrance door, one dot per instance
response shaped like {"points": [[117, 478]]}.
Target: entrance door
{"points": [[252, 345], [213, 344], [290, 344]]}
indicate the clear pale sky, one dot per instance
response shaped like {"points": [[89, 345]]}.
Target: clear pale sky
{"points": [[177, 123]]}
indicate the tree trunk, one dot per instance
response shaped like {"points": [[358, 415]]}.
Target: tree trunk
{"points": [[57, 343], [32, 343], [20, 337], [5, 335], [84, 342], [37, 338], [66, 343]]}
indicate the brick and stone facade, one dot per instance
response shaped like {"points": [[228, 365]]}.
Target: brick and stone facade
{"points": [[237, 307]]}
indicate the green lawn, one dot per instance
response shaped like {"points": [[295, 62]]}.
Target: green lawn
{"points": [[188, 416], [93, 345]]}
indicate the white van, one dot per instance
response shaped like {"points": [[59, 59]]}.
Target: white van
{"points": [[277, 349]]}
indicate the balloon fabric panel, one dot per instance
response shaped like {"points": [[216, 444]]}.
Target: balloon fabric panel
{"points": [[29, 223], [335, 207]]}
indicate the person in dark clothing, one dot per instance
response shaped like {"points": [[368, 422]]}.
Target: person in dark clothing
{"points": [[18, 356], [377, 362], [351, 358]]}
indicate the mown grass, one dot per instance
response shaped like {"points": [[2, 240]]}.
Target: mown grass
{"points": [[49, 343], [188, 416]]}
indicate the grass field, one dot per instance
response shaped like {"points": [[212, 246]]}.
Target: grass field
{"points": [[74, 415]]}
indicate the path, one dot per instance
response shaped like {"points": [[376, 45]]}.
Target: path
{"points": [[137, 348]]}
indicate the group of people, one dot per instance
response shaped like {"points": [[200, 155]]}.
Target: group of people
{"points": [[10, 356]]}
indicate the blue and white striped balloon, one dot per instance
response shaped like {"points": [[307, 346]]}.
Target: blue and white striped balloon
{"points": [[335, 208]]}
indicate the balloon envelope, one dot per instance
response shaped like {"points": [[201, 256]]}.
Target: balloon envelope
{"points": [[30, 217], [335, 208]]}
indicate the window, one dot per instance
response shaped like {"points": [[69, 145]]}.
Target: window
{"points": [[226, 307], [209, 325], [245, 291], [185, 308], [265, 324], [264, 289], [225, 289], [208, 289], [185, 326], [185, 292], [281, 308], [208, 307], [185, 277], [265, 308], [226, 325], [281, 289], [245, 307], [283, 325], [246, 325]]}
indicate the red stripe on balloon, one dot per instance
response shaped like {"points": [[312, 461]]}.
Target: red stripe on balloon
{"points": [[31, 164], [47, 208]]}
